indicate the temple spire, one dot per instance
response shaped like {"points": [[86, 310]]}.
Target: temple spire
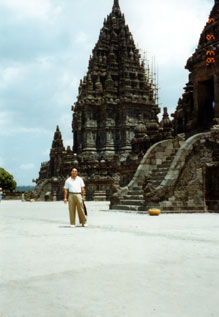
{"points": [[57, 140], [116, 4]]}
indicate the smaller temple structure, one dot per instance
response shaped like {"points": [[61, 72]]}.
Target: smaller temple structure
{"points": [[53, 173], [198, 109]]}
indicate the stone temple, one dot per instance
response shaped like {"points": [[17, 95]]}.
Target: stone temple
{"points": [[121, 149]]}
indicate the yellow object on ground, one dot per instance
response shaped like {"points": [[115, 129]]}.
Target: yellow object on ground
{"points": [[154, 212]]}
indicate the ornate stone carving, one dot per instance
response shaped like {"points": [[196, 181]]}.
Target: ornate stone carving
{"points": [[104, 116], [198, 109]]}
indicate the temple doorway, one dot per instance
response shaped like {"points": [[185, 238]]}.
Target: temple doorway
{"points": [[206, 104], [212, 188]]}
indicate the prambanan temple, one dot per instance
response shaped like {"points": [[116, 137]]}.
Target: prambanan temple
{"points": [[121, 149]]}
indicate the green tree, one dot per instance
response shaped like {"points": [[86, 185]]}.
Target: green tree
{"points": [[7, 181]]}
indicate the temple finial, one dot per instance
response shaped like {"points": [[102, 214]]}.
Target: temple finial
{"points": [[116, 4]]}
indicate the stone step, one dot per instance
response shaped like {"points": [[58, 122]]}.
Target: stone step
{"points": [[132, 202], [135, 192], [160, 171], [99, 198], [166, 163], [157, 177], [100, 191], [134, 197], [169, 159], [157, 180], [161, 174], [161, 168], [156, 183], [137, 187], [126, 207]]}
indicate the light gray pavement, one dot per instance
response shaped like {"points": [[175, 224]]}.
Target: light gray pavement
{"points": [[127, 265]]}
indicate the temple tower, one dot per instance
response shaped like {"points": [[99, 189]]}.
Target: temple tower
{"points": [[114, 118], [56, 154], [198, 109], [113, 93]]}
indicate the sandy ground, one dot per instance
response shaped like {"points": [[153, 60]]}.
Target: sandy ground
{"points": [[121, 265]]}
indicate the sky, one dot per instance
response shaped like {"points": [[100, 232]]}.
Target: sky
{"points": [[44, 52]]}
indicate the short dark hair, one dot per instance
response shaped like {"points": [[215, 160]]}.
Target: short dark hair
{"points": [[74, 168]]}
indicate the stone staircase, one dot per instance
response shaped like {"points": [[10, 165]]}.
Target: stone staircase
{"points": [[39, 190], [133, 200], [158, 174], [99, 195], [171, 172]]}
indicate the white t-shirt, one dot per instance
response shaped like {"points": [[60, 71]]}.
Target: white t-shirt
{"points": [[74, 185]]}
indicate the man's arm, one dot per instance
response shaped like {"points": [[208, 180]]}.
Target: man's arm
{"points": [[65, 195], [83, 193]]}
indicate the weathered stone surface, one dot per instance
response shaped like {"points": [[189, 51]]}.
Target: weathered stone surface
{"points": [[114, 118], [198, 109], [186, 184], [122, 151]]}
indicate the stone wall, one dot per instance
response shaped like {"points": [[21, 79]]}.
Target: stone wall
{"points": [[16, 195], [183, 188]]}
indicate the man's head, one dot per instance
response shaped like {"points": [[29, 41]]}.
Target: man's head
{"points": [[74, 173]]}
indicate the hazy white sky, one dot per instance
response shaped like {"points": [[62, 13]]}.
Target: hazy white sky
{"points": [[44, 51]]}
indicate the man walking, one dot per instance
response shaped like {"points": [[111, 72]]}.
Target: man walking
{"points": [[74, 189]]}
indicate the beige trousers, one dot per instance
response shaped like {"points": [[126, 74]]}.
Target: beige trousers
{"points": [[75, 201]]}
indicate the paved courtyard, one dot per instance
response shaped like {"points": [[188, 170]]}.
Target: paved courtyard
{"points": [[123, 264]]}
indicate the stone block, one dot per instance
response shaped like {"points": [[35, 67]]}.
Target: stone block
{"points": [[151, 155], [152, 166], [159, 155], [170, 146], [165, 204], [191, 203], [158, 161], [168, 152], [171, 175]]}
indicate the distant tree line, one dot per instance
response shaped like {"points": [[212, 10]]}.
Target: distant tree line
{"points": [[25, 188]]}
